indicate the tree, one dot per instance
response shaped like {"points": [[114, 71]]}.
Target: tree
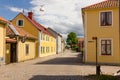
{"points": [[72, 39]]}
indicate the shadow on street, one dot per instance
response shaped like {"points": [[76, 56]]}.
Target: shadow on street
{"points": [[61, 61], [64, 61]]}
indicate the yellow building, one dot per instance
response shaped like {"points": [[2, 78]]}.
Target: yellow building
{"points": [[46, 44], [101, 23], [20, 45], [3, 24]]}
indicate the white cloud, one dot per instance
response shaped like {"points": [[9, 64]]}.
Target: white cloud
{"points": [[62, 15], [16, 9]]}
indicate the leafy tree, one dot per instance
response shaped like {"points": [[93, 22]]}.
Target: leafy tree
{"points": [[72, 39]]}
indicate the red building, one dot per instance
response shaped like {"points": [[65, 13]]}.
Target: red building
{"points": [[80, 44]]}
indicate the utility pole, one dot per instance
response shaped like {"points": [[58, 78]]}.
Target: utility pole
{"points": [[97, 66]]}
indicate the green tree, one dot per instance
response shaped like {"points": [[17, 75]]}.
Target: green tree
{"points": [[72, 39]]}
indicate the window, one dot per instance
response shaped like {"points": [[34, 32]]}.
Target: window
{"points": [[27, 49], [41, 50], [20, 22], [106, 47], [51, 49], [106, 18]]}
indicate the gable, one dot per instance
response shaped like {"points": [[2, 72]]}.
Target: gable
{"points": [[28, 26]]}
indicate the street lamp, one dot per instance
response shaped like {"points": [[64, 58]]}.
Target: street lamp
{"points": [[97, 66]]}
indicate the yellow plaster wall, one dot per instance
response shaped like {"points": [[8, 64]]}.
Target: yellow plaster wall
{"points": [[50, 43], [21, 50], [92, 28], [7, 55], [2, 40]]}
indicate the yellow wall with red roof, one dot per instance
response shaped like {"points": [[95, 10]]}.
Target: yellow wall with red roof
{"points": [[92, 28], [29, 27]]}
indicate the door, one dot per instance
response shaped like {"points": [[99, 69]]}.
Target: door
{"points": [[13, 56]]}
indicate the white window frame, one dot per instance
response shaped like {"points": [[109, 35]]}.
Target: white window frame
{"points": [[111, 46], [100, 18]]}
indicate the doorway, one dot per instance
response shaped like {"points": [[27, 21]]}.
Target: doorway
{"points": [[13, 55]]}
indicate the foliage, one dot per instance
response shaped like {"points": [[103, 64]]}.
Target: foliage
{"points": [[71, 39]]}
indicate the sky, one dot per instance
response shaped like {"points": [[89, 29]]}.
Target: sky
{"points": [[63, 16]]}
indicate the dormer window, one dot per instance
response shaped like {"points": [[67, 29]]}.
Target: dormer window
{"points": [[106, 18], [20, 23]]}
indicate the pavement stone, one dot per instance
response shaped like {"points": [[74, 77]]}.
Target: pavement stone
{"points": [[64, 66]]}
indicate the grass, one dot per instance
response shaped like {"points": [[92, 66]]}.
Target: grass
{"points": [[103, 77]]}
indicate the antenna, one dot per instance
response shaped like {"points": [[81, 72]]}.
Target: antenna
{"points": [[23, 11]]}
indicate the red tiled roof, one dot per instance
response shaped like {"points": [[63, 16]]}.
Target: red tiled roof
{"points": [[38, 26], [21, 32], [104, 4], [2, 19]]}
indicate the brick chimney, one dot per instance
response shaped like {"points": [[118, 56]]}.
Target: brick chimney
{"points": [[30, 15]]}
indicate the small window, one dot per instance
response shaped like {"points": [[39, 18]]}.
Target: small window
{"points": [[41, 50], [20, 22], [106, 18], [27, 49], [106, 47]]}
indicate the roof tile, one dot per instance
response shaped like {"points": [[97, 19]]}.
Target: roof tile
{"points": [[104, 4]]}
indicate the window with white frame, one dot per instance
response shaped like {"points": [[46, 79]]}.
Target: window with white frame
{"points": [[106, 18], [20, 22], [106, 47]]}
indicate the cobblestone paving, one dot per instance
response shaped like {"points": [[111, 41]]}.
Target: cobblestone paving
{"points": [[65, 66]]}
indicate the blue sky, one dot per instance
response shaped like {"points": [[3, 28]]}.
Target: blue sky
{"points": [[64, 16], [8, 14]]}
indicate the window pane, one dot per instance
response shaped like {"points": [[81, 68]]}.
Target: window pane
{"points": [[108, 49], [103, 49], [103, 41], [102, 18], [20, 22]]}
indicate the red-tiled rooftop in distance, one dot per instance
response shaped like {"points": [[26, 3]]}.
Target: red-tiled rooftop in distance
{"points": [[80, 39], [104, 4]]}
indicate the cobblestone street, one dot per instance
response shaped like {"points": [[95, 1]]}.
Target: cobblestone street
{"points": [[65, 66]]}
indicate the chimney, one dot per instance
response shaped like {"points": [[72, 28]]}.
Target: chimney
{"points": [[30, 15]]}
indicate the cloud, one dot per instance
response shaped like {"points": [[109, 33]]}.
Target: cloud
{"points": [[16, 9], [64, 16]]}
